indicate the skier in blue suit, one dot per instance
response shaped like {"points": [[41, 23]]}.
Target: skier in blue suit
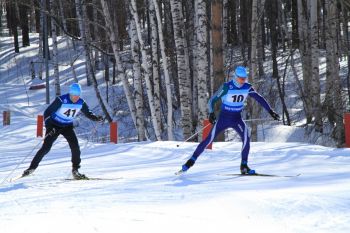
{"points": [[233, 94], [59, 117]]}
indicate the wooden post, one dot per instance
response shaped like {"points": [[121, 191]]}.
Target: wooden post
{"points": [[39, 125], [206, 132], [6, 117], [347, 128], [114, 132]]}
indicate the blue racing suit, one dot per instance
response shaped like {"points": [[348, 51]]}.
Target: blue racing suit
{"points": [[233, 99]]}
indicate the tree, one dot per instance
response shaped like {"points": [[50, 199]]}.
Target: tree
{"points": [[166, 72], [333, 101], [202, 59], [146, 69], [182, 67]]}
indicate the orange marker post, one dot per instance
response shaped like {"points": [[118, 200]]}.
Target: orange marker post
{"points": [[347, 128], [206, 132], [114, 132], [39, 125]]}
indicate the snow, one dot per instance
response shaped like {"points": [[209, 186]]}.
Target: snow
{"points": [[140, 192]]}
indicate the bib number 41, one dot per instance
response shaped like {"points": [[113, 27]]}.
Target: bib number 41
{"points": [[70, 112]]}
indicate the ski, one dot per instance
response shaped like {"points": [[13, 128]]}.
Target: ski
{"points": [[13, 179], [92, 178], [260, 174]]}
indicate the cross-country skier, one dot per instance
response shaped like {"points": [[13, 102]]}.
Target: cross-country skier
{"points": [[59, 117], [233, 94]]}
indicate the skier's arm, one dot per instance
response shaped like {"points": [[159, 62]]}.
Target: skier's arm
{"points": [[85, 109], [261, 100], [217, 95], [53, 107]]}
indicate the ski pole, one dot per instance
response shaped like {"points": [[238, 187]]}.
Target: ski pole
{"points": [[193, 135], [22, 161], [259, 119]]}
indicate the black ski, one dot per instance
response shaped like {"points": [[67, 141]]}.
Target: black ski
{"points": [[261, 174], [92, 178]]}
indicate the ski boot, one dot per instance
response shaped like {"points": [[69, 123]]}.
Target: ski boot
{"points": [[78, 176], [245, 170], [27, 172]]}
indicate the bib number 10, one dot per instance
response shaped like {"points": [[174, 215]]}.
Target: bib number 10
{"points": [[237, 98], [70, 112]]}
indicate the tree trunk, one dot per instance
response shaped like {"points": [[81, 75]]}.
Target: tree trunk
{"points": [[155, 63], [54, 49], [334, 89], [315, 81], [82, 29], [254, 68], [202, 60], [121, 71], [146, 69], [69, 45], [138, 95], [23, 12], [218, 61], [166, 73], [304, 47], [182, 68]]}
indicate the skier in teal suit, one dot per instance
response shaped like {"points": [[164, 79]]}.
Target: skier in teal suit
{"points": [[233, 95]]}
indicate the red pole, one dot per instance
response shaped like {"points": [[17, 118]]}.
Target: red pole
{"points": [[6, 117], [206, 132], [347, 128], [39, 125], [114, 132]]}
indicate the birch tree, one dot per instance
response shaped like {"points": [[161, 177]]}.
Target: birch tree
{"points": [[155, 63], [83, 34], [315, 81], [334, 102], [166, 72], [202, 59], [304, 47], [121, 71], [137, 81], [146, 69], [182, 69], [253, 67]]}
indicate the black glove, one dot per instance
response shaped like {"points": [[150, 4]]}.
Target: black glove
{"points": [[212, 118], [274, 115], [98, 118]]}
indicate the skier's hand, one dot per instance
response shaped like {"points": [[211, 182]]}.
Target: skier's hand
{"points": [[99, 118], [274, 115], [212, 118]]}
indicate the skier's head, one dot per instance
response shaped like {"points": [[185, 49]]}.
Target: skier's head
{"points": [[240, 76], [75, 92]]}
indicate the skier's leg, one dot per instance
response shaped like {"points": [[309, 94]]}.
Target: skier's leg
{"points": [[50, 137], [218, 127], [72, 140], [241, 128]]}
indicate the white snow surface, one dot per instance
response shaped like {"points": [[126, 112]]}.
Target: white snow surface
{"points": [[140, 192]]}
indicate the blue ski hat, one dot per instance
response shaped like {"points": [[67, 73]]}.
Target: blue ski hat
{"points": [[75, 89], [241, 72]]}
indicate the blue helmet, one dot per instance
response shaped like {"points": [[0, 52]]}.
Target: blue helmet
{"points": [[241, 72], [75, 89]]}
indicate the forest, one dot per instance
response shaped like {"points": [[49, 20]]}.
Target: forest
{"points": [[180, 52]]}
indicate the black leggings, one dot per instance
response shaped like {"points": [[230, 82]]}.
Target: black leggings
{"points": [[50, 137]]}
